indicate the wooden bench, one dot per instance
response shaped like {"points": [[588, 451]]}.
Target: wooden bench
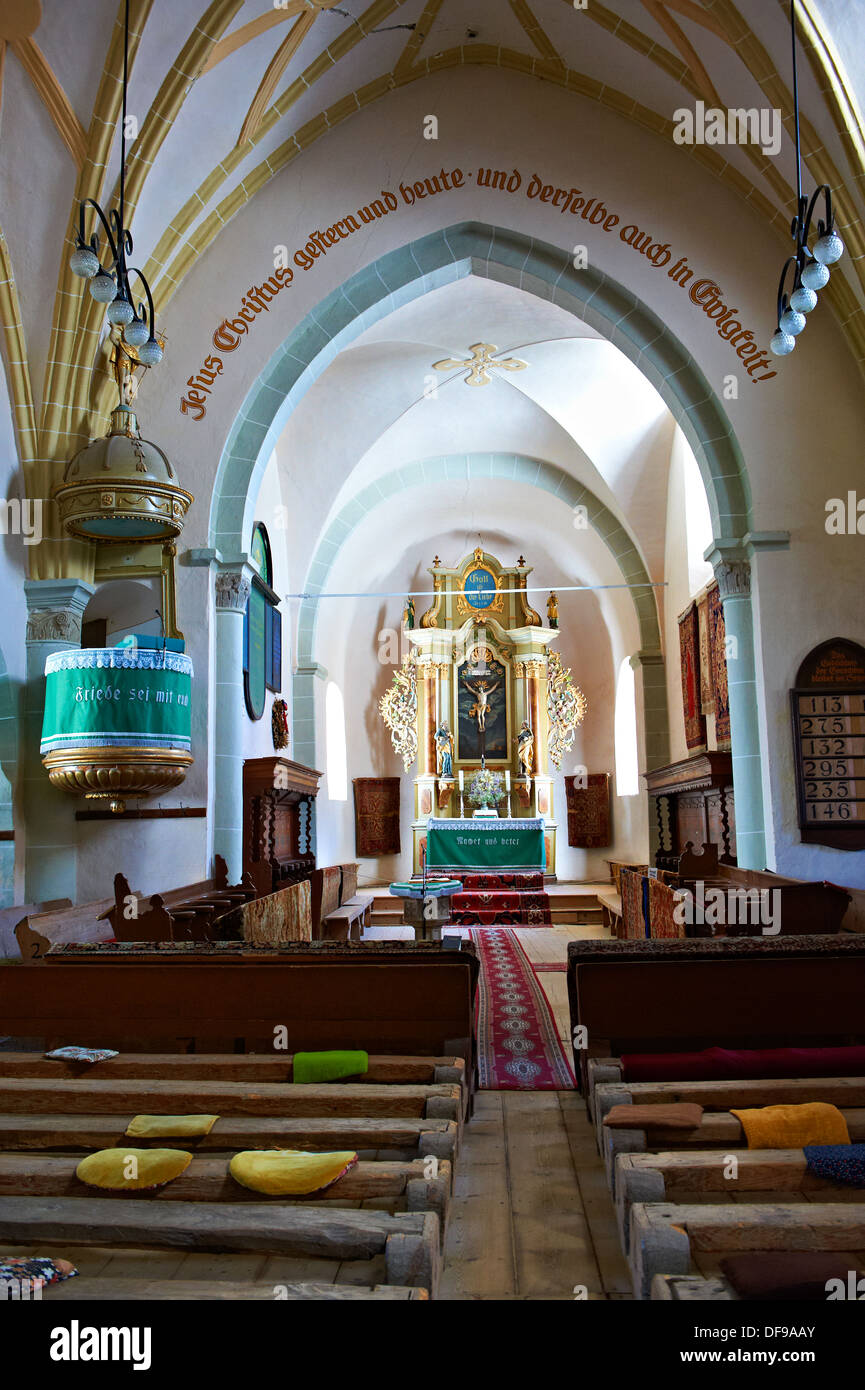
{"points": [[369, 1136], [346, 923], [38, 931], [718, 1126], [182, 914], [667, 1238], [674, 1176], [406, 1135], [409, 1242], [675, 996], [803, 908], [11, 917], [394, 997]]}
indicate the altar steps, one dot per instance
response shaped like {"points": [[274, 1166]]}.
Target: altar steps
{"points": [[566, 909]]}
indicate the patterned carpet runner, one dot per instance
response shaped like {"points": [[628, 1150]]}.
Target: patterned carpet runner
{"points": [[518, 1047]]}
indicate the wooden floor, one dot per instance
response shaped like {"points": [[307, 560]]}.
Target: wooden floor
{"points": [[531, 1215]]}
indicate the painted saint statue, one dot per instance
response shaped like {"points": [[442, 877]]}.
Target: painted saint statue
{"points": [[525, 749], [445, 747]]}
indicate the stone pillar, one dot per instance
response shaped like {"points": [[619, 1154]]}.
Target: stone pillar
{"points": [[232, 583], [55, 608], [650, 689], [734, 583]]}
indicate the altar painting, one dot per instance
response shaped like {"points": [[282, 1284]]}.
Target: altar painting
{"points": [[482, 703]]}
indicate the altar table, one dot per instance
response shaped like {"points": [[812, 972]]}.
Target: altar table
{"points": [[485, 844]]}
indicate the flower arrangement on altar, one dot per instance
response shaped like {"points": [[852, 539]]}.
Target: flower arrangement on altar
{"points": [[485, 789]]}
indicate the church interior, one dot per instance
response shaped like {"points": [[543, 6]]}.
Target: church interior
{"points": [[432, 653]]}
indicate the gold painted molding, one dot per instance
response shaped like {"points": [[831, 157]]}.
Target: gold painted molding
{"points": [[53, 97], [276, 67]]}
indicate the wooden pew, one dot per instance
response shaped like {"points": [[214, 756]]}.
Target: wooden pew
{"points": [[408, 1241], [666, 1237], [804, 908], [181, 914], [676, 1175], [843, 1091], [10, 917], [384, 1136], [382, 1070], [391, 998], [86, 922], [671, 995], [25, 1096], [719, 1125], [405, 1185]]}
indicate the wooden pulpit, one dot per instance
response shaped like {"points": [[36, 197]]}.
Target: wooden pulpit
{"points": [[277, 822]]}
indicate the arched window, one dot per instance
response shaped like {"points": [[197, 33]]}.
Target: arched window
{"points": [[334, 731], [262, 629], [627, 769], [698, 526]]}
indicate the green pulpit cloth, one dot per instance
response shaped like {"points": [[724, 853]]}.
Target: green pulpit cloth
{"points": [[113, 697], [485, 844]]}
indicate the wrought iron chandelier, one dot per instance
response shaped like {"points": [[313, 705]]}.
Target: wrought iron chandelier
{"points": [[810, 267], [111, 286]]}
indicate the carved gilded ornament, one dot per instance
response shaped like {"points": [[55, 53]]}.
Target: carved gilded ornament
{"points": [[398, 709], [533, 619], [479, 364], [566, 707], [430, 617]]}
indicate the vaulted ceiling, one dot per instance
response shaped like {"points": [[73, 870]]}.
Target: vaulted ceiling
{"points": [[226, 96]]}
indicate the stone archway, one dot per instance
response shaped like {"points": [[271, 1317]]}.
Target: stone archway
{"points": [[473, 248]]}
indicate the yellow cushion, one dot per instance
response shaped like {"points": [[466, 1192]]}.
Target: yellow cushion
{"points": [[793, 1126], [289, 1172], [170, 1126], [132, 1169]]}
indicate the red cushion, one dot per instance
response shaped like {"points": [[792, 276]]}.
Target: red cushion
{"points": [[739, 1064]]}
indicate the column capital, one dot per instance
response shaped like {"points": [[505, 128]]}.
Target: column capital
{"points": [[646, 658], [55, 608], [232, 586], [734, 578]]}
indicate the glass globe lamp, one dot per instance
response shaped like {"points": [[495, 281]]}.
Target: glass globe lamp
{"points": [[815, 276], [829, 249], [120, 311], [136, 333], [102, 287], [792, 322], [803, 300], [84, 262], [781, 343], [150, 353]]}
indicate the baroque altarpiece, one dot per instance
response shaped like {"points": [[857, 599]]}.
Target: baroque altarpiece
{"points": [[481, 688]]}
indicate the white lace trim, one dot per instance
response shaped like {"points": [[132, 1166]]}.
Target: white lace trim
{"points": [[118, 659]]}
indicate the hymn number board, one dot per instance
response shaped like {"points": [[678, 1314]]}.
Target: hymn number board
{"points": [[828, 707]]}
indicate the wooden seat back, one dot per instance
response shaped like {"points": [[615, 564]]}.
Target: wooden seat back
{"points": [[406, 999]]}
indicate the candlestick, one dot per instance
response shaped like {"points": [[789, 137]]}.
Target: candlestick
{"points": [[461, 778], [507, 779]]}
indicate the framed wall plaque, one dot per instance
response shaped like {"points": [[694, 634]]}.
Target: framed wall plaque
{"points": [[828, 713]]}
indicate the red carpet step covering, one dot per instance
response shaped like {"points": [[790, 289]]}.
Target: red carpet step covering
{"points": [[518, 1046], [501, 909], [501, 882]]}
